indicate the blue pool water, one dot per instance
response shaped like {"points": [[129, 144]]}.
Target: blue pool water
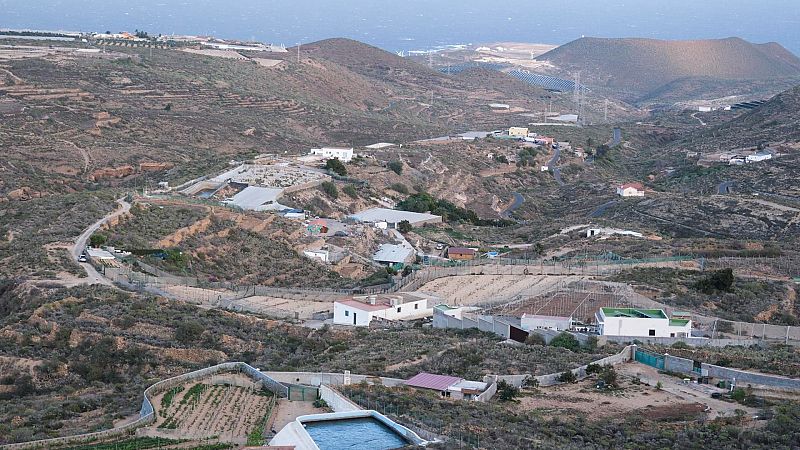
{"points": [[354, 434]]}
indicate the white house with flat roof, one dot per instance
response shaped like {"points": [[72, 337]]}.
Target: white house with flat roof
{"points": [[341, 153], [393, 217], [361, 310], [635, 322]]}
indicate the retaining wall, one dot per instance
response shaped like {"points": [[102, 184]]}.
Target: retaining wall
{"points": [[677, 364], [743, 378], [333, 379], [337, 401], [691, 341]]}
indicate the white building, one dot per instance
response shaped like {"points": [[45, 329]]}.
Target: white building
{"points": [[737, 160], [361, 310], [631, 190], [636, 322], [393, 217], [322, 255], [340, 153], [537, 322], [761, 155]]}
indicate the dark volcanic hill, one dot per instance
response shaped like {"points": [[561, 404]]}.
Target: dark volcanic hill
{"points": [[648, 69]]}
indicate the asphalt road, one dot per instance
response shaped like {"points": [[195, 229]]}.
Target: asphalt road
{"points": [[81, 241], [726, 187], [556, 171], [616, 139], [600, 210], [518, 201]]}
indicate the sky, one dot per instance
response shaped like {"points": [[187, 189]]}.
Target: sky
{"points": [[419, 24]]}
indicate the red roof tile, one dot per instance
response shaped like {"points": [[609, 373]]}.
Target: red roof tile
{"points": [[432, 381]]}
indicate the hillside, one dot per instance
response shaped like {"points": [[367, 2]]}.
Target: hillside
{"points": [[644, 69]]}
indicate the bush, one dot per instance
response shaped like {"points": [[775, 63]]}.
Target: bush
{"points": [[188, 332], [404, 226], [593, 368], [395, 166], [609, 376], [320, 403], [506, 392], [535, 339], [336, 166], [350, 190], [718, 281], [530, 383], [567, 377], [399, 187], [567, 341], [330, 189]]}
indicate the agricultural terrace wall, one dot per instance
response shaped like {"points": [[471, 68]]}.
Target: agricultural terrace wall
{"points": [[742, 377], [147, 413], [337, 401], [303, 186], [552, 379]]}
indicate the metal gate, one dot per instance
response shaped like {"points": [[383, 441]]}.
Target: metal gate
{"points": [[302, 393], [650, 359]]}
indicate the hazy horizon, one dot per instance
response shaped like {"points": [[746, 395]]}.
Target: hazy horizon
{"points": [[414, 24]]}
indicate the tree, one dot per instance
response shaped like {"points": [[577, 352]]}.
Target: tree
{"points": [[567, 377], [188, 332], [609, 376], [98, 239], [507, 392], [501, 159], [330, 189], [720, 280], [567, 341], [404, 226], [336, 166], [395, 166], [593, 368], [399, 187]]}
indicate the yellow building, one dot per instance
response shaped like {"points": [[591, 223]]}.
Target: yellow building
{"points": [[518, 132]]}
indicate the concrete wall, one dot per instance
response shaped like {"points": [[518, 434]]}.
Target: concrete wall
{"points": [[551, 379], [676, 364], [333, 379], [691, 341], [337, 401], [744, 378]]}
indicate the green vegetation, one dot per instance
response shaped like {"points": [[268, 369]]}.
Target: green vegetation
{"points": [[424, 202], [395, 166], [506, 392], [404, 226], [567, 377], [133, 444], [526, 157], [146, 225], [718, 281], [193, 394], [350, 191], [336, 166], [399, 188], [188, 332], [329, 188], [166, 400], [777, 359], [98, 239], [567, 341]]}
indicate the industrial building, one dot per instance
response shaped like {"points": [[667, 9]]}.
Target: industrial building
{"points": [[392, 217], [361, 310], [636, 322]]}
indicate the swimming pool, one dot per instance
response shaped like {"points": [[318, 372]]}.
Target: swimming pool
{"points": [[363, 433]]}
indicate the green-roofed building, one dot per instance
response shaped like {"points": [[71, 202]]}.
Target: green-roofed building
{"points": [[638, 322]]}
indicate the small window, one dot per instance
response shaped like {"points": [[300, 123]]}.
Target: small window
{"points": [[346, 313], [672, 335], [652, 333], [398, 309], [416, 305]]}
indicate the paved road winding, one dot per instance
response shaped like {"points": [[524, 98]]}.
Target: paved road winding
{"points": [[552, 165], [80, 243], [518, 201], [600, 210]]}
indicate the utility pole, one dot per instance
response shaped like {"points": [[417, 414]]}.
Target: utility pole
{"points": [[298, 53], [605, 112]]}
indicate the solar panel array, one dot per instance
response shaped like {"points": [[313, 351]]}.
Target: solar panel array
{"points": [[748, 105], [458, 68], [544, 81]]}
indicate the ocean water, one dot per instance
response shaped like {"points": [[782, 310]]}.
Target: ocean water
{"points": [[417, 24]]}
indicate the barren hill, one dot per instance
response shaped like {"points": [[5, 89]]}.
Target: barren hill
{"points": [[641, 67]]}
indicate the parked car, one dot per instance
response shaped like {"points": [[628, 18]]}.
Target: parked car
{"points": [[82, 258]]}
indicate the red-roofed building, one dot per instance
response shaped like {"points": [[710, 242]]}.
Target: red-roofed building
{"points": [[631, 190], [461, 253], [360, 310], [454, 387]]}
